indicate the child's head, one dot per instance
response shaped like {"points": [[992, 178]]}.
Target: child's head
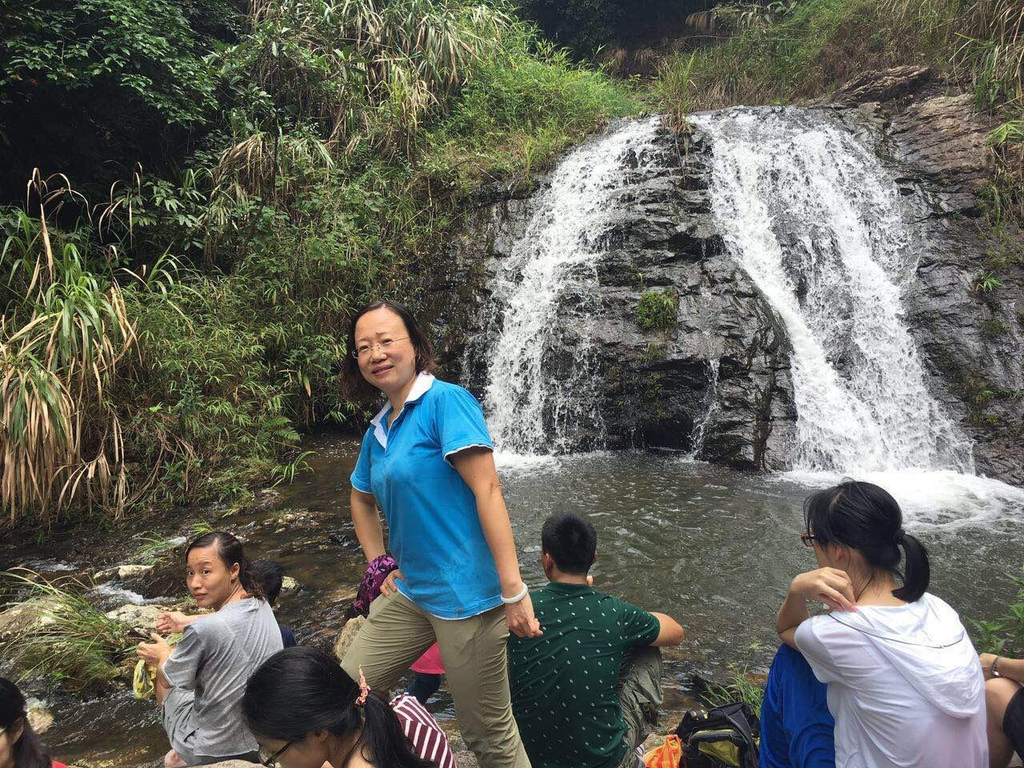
{"points": [[568, 543], [270, 574]]}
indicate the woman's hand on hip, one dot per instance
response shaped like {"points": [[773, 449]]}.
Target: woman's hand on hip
{"points": [[388, 587], [520, 619]]}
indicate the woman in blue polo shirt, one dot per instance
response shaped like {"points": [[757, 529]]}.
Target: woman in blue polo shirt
{"points": [[426, 462]]}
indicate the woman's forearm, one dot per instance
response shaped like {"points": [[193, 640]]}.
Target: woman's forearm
{"points": [[792, 613], [367, 522], [498, 532], [1011, 668]]}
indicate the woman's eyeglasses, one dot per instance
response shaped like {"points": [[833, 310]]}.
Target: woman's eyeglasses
{"points": [[808, 539], [385, 344], [271, 761]]}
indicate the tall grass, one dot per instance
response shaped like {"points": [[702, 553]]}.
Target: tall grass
{"points": [[66, 638], [64, 333], [523, 104]]}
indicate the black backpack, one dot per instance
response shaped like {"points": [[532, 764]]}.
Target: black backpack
{"points": [[728, 735]]}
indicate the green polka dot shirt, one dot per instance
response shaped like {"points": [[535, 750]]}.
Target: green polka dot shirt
{"points": [[564, 683]]}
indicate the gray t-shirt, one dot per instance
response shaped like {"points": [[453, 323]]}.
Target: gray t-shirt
{"points": [[214, 659]]}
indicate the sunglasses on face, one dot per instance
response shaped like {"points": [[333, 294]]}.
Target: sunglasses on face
{"points": [[808, 539]]}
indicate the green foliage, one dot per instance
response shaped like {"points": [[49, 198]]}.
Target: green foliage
{"points": [[656, 310], [740, 687], [148, 51], [525, 103], [1005, 635], [65, 637], [988, 283], [329, 146]]}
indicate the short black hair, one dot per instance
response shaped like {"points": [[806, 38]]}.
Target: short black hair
{"points": [[270, 574], [571, 541]]}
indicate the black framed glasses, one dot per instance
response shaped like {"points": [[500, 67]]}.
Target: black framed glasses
{"points": [[808, 539], [271, 761]]}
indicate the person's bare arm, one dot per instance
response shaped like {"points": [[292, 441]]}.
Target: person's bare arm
{"points": [[173, 621], [1012, 669], [369, 531], [826, 585], [476, 467], [671, 632]]}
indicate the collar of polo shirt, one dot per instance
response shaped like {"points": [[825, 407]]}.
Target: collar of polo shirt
{"points": [[424, 381]]}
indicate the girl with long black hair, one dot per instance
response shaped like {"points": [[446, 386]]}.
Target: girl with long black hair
{"points": [[305, 710], [19, 745], [904, 683]]}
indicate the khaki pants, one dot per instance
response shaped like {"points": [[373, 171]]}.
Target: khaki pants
{"points": [[639, 698], [476, 665]]}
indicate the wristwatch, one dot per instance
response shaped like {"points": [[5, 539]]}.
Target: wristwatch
{"points": [[995, 672]]}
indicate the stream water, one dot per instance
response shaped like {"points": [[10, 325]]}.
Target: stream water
{"points": [[713, 547]]}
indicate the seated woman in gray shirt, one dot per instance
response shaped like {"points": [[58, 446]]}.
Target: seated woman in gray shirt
{"points": [[201, 680]]}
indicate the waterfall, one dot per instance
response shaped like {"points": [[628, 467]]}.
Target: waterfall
{"points": [[700, 428], [542, 389], [817, 222]]}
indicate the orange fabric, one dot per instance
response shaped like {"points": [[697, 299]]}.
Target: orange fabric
{"points": [[667, 755]]}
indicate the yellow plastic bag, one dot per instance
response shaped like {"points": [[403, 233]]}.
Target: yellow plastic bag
{"points": [[667, 755], [144, 680]]}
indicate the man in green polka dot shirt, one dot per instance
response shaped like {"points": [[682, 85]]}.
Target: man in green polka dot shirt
{"points": [[580, 690]]}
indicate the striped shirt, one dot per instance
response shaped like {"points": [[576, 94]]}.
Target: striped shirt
{"points": [[422, 730]]}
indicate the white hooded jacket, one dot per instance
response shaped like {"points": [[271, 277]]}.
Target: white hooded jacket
{"points": [[904, 685]]}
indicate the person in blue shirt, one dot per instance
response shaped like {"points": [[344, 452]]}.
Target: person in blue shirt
{"points": [[797, 729], [426, 461]]}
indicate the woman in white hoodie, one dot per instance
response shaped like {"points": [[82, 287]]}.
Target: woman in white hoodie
{"points": [[904, 683]]}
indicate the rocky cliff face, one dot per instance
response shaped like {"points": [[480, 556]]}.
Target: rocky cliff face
{"points": [[966, 308], [716, 381]]}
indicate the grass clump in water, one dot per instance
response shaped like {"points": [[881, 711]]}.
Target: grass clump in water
{"points": [[63, 636]]}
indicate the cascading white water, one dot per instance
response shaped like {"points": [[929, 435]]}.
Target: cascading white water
{"points": [[700, 428], [541, 293], [816, 221]]}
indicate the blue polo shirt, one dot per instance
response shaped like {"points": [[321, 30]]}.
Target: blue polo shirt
{"points": [[434, 529]]}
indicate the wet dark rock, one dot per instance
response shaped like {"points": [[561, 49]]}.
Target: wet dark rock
{"points": [[882, 85], [657, 388]]}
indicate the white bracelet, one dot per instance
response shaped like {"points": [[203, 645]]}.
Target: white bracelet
{"points": [[518, 596]]}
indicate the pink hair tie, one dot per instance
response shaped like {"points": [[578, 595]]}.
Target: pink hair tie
{"points": [[364, 689]]}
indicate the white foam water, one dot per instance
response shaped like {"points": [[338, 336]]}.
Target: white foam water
{"points": [[541, 294], [816, 221]]}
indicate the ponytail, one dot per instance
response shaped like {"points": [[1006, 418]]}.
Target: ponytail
{"points": [[299, 691], [917, 570], [384, 739], [230, 551]]}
